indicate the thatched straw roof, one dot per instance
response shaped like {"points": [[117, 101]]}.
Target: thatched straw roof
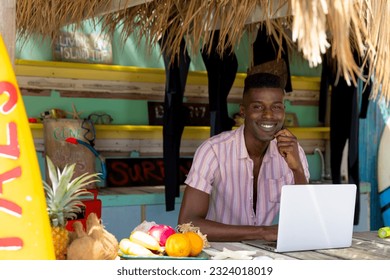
{"points": [[311, 25]]}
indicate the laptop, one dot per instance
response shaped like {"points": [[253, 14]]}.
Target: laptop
{"points": [[313, 217]]}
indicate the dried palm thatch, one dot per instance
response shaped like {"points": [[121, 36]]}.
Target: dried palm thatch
{"points": [[313, 26], [196, 21], [46, 17]]}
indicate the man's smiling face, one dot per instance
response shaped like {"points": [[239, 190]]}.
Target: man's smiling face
{"points": [[264, 112]]}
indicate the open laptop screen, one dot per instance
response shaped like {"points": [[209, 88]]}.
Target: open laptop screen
{"points": [[315, 217]]}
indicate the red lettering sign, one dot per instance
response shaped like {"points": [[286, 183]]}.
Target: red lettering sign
{"points": [[11, 243], [10, 207], [10, 150], [135, 172], [8, 176], [10, 90]]}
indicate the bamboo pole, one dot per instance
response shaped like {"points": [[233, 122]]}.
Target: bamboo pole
{"points": [[8, 26]]}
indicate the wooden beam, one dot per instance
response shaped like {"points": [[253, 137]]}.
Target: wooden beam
{"points": [[8, 26], [118, 5], [276, 9]]}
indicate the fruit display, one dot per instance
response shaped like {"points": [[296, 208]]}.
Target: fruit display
{"points": [[63, 201], [163, 240]]}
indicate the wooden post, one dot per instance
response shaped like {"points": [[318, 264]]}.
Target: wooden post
{"points": [[8, 27]]}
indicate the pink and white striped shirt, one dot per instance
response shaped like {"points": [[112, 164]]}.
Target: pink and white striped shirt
{"points": [[223, 169]]}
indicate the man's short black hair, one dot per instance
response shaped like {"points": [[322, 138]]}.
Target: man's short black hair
{"points": [[262, 80]]}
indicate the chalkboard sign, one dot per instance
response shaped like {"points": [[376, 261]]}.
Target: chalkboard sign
{"points": [[199, 114], [137, 172]]}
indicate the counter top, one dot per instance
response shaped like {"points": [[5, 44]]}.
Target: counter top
{"points": [[365, 246]]}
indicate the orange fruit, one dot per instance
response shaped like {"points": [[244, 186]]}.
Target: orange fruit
{"points": [[178, 245], [196, 243]]}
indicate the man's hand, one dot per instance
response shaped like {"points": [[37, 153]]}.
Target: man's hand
{"points": [[288, 148]]}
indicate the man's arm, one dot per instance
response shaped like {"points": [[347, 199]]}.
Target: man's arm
{"points": [[194, 209]]}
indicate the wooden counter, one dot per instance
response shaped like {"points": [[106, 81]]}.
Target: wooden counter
{"points": [[365, 246]]}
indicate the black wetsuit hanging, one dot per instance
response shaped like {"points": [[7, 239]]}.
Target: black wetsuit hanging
{"points": [[175, 117], [221, 72], [344, 124]]}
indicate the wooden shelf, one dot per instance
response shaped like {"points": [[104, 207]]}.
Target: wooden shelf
{"points": [[129, 82], [122, 140], [80, 71], [190, 132]]}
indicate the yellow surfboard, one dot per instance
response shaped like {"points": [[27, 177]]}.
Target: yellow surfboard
{"points": [[24, 223]]}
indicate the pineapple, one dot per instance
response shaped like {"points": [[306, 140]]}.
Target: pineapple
{"points": [[63, 201]]}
